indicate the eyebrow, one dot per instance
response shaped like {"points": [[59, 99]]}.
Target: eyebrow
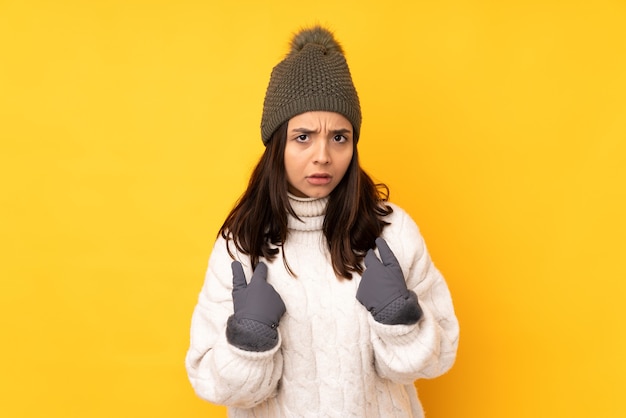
{"points": [[311, 131]]}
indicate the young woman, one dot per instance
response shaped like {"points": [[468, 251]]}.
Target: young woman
{"points": [[320, 297]]}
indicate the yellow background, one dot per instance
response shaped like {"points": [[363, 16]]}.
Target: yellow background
{"points": [[129, 128]]}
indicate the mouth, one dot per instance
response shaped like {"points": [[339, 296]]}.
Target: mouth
{"points": [[319, 178]]}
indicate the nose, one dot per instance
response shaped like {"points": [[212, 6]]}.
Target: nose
{"points": [[321, 155]]}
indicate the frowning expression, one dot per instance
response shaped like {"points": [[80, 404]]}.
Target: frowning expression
{"points": [[317, 153]]}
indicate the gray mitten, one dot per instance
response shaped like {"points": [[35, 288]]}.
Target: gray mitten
{"points": [[257, 300], [383, 289], [258, 309]]}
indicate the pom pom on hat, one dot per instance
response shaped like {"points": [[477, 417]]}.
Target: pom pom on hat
{"points": [[313, 76], [315, 35]]}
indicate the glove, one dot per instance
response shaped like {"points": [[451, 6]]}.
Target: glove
{"points": [[383, 289], [257, 300]]}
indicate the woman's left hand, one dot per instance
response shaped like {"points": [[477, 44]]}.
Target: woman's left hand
{"points": [[381, 282], [383, 286]]}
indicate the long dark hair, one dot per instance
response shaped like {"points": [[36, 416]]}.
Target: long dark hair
{"points": [[258, 223]]}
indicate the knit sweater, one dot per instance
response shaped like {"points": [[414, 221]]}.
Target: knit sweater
{"points": [[332, 358]]}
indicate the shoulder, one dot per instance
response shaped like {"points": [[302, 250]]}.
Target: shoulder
{"points": [[224, 252], [403, 236], [400, 221]]}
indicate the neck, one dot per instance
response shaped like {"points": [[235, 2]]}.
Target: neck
{"points": [[310, 213]]}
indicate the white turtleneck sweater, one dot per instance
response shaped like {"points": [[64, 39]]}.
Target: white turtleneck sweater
{"points": [[332, 359]]}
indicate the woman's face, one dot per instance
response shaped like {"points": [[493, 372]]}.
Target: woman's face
{"points": [[317, 153]]}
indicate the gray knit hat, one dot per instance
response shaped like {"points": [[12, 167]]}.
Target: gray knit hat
{"points": [[313, 76]]}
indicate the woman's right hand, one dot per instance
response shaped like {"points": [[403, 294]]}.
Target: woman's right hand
{"points": [[256, 300]]}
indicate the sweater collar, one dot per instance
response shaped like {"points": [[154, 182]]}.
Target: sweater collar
{"points": [[311, 212]]}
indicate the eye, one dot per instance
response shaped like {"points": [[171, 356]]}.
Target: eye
{"points": [[302, 138], [340, 138]]}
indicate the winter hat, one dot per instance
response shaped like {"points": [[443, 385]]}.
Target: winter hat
{"points": [[313, 76]]}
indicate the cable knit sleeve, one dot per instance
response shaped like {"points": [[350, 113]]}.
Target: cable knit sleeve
{"points": [[218, 371], [427, 349]]}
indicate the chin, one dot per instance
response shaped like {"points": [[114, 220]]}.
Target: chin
{"points": [[320, 195], [315, 193]]}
